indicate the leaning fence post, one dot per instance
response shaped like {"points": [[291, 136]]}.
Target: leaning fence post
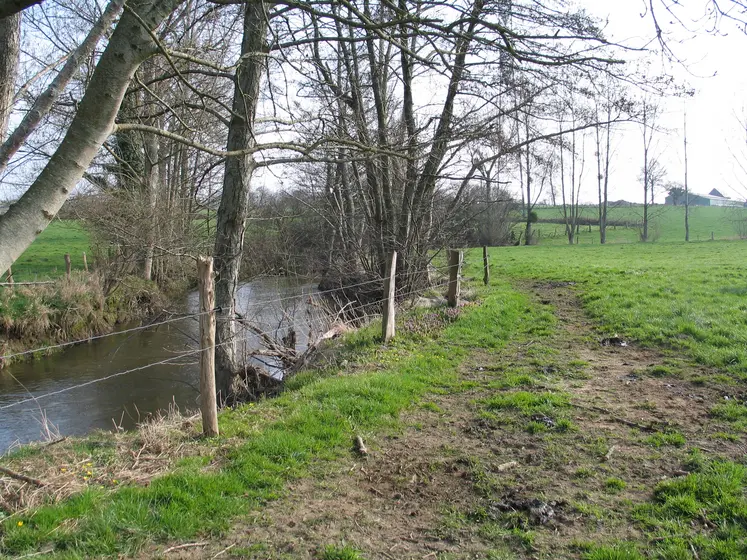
{"points": [[9, 278], [208, 400], [455, 270], [68, 266], [388, 319], [486, 265], [85, 262]]}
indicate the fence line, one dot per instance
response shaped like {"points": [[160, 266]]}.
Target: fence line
{"points": [[191, 353], [206, 291], [190, 316], [98, 337]]}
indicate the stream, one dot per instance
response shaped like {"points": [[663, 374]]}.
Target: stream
{"points": [[125, 400]]}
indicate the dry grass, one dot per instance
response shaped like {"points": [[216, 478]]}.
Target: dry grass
{"points": [[75, 309], [68, 466]]}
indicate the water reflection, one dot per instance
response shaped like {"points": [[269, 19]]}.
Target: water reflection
{"points": [[125, 400]]}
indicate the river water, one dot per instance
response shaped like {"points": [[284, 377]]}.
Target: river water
{"points": [[129, 398]]}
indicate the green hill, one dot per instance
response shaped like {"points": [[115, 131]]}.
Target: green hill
{"points": [[667, 224]]}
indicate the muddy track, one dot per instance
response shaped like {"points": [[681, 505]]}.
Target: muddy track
{"points": [[458, 483]]}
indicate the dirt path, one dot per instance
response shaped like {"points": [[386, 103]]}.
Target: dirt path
{"points": [[548, 447]]}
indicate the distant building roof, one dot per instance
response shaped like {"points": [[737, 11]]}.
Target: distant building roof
{"points": [[715, 193], [712, 196]]}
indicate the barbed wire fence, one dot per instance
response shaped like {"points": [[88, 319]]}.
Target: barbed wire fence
{"points": [[350, 314]]}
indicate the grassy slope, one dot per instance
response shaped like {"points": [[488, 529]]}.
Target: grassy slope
{"points": [[46, 256], [667, 224], [262, 447]]}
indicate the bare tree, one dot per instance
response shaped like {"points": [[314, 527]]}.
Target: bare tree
{"points": [[43, 104], [603, 154], [570, 186], [687, 191], [131, 43], [649, 116], [234, 203]]}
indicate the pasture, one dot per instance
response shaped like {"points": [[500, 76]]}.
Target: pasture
{"points": [[588, 404], [45, 258], [666, 224]]}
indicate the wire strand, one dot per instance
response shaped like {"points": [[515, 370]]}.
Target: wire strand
{"points": [[99, 337], [191, 316]]}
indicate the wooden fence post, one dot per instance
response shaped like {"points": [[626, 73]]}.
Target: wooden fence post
{"points": [[455, 270], [486, 265], [9, 278], [208, 399], [68, 266], [85, 262], [388, 319]]}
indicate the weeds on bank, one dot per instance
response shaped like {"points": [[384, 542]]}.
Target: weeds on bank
{"points": [[74, 309]]}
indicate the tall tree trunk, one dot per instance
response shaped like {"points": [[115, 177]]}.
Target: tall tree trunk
{"points": [[234, 203], [605, 190], [10, 7], [10, 48], [130, 45], [45, 101], [150, 186], [528, 226]]}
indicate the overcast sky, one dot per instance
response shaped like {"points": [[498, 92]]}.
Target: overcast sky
{"points": [[715, 67]]}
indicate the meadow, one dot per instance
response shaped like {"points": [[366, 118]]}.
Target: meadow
{"points": [[667, 224], [45, 258], [689, 298]]}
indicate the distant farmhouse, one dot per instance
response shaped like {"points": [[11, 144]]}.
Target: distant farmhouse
{"points": [[713, 198]]}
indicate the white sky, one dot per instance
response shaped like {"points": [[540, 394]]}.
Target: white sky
{"points": [[715, 67]]}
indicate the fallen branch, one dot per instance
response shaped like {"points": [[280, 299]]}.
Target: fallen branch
{"points": [[55, 442], [222, 552], [302, 360], [24, 283], [181, 546], [22, 477]]}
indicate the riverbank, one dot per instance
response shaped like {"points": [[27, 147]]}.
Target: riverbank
{"points": [[40, 315], [507, 430]]}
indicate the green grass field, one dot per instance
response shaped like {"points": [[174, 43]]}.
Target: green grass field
{"points": [[667, 224], [689, 297], [46, 257]]}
